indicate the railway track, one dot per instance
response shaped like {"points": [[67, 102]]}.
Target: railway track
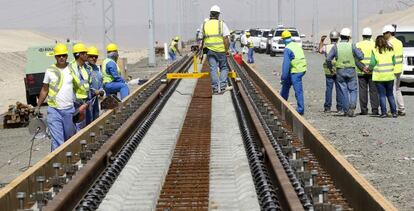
{"points": [[288, 165]]}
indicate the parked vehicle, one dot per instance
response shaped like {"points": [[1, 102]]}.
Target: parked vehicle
{"points": [[263, 41], [406, 35], [278, 45], [256, 35]]}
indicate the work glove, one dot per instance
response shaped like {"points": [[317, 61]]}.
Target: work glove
{"points": [[101, 93]]}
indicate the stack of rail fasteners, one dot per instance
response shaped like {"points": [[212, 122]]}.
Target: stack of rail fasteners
{"points": [[18, 115]]}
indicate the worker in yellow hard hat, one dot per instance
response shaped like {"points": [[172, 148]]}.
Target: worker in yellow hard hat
{"points": [[250, 46], [173, 49], [96, 86], [58, 87], [112, 78], [82, 79], [293, 69]]}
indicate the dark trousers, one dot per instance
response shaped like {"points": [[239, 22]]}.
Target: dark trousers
{"points": [[385, 91], [366, 85]]}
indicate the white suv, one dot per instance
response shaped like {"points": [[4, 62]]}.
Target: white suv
{"points": [[406, 36], [278, 45]]}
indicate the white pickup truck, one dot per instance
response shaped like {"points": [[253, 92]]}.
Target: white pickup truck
{"points": [[406, 35]]}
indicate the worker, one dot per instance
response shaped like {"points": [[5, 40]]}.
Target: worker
{"points": [[81, 80], [389, 32], [346, 54], [58, 88], [233, 48], [173, 49], [243, 42], [365, 82], [111, 73], [383, 61], [96, 86], [293, 69], [198, 37], [330, 76], [216, 44], [250, 46]]}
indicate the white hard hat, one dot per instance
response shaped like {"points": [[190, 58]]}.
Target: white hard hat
{"points": [[198, 30], [206, 19], [366, 31], [346, 32], [215, 8], [388, 28]]}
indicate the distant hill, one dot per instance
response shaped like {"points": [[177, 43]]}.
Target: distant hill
{"points": [[20, 40]]}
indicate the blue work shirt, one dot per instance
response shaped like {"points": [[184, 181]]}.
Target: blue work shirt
{"points": [[288, 56], [333, 54], [112, 69], [96, 78]]}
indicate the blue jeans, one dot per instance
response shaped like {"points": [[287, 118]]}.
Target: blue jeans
{"points": [[233, 47], [330, 82], [172, 55], [94, 110], [218, 60], [347, 80], [250, 56], [115, 87], [294, 79], [385, 91], [60, 125]]}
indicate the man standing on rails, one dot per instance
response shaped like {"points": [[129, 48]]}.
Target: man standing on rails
{"points": [[389, 31], [347, 57], [293, 69], [81, 81], [173, 49], [58, 88], [367, 45], [216, 43], [111, 73], [96, 82], [330, 76]]}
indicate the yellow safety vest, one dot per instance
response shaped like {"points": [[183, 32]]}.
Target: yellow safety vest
{"points": [[81, 86], [54, 87], [325, 66], [345, 56], [250, 42], [384, 69], [108, 78], [213, 35], [298, 64], [172, 46], [366, 47], [398, 50]]}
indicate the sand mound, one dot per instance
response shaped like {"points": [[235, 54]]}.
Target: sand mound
{"points": [[20, 40]]}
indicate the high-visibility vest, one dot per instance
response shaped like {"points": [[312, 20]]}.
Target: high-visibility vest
{"points": [[213, 35], [345, 56], [172, 46], [298, 64], [250, 42], [384, 70], [81, 83], [366, 47], [54, 87], [325, 66], [398, 50], [108, 78]]}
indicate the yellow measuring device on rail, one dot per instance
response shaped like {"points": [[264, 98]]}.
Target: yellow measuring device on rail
{"points": [[195, 73]]}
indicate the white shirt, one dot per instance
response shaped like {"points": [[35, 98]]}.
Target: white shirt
{"points": [[226, 31], [243, 39], [66, 96]]}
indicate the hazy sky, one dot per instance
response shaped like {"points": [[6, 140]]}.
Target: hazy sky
{"points": [[55, 17]]}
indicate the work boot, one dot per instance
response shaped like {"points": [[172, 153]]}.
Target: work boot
{"points": [[351, 113], [401, 113], [395, 115], [228, 88], [327, 110], [341, 113], [375, 113], [363, 113]]}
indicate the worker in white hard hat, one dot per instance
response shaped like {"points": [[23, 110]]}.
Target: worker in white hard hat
{"points": [[365, 83], [346, 55], [330, 76], [389, 31], [216, 45], [243, 42], [173, 49], [198, 37]]}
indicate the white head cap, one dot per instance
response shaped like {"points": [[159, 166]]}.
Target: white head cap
{"points": [[215, 8], [366, 31], [388, 28], [346, 32], [206, 19], [198, 30]]}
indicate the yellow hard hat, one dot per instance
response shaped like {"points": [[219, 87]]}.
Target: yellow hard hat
{"points": [[247, 33], [177, 38], [93, 51], [60, 49], [79, 47], [286, 34], [111, 47]]}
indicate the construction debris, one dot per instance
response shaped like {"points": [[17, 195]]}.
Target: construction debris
{"points": [[18, 115]]}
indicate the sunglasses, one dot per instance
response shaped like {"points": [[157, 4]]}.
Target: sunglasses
{"points": [[62, 56], [93, 57]]}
